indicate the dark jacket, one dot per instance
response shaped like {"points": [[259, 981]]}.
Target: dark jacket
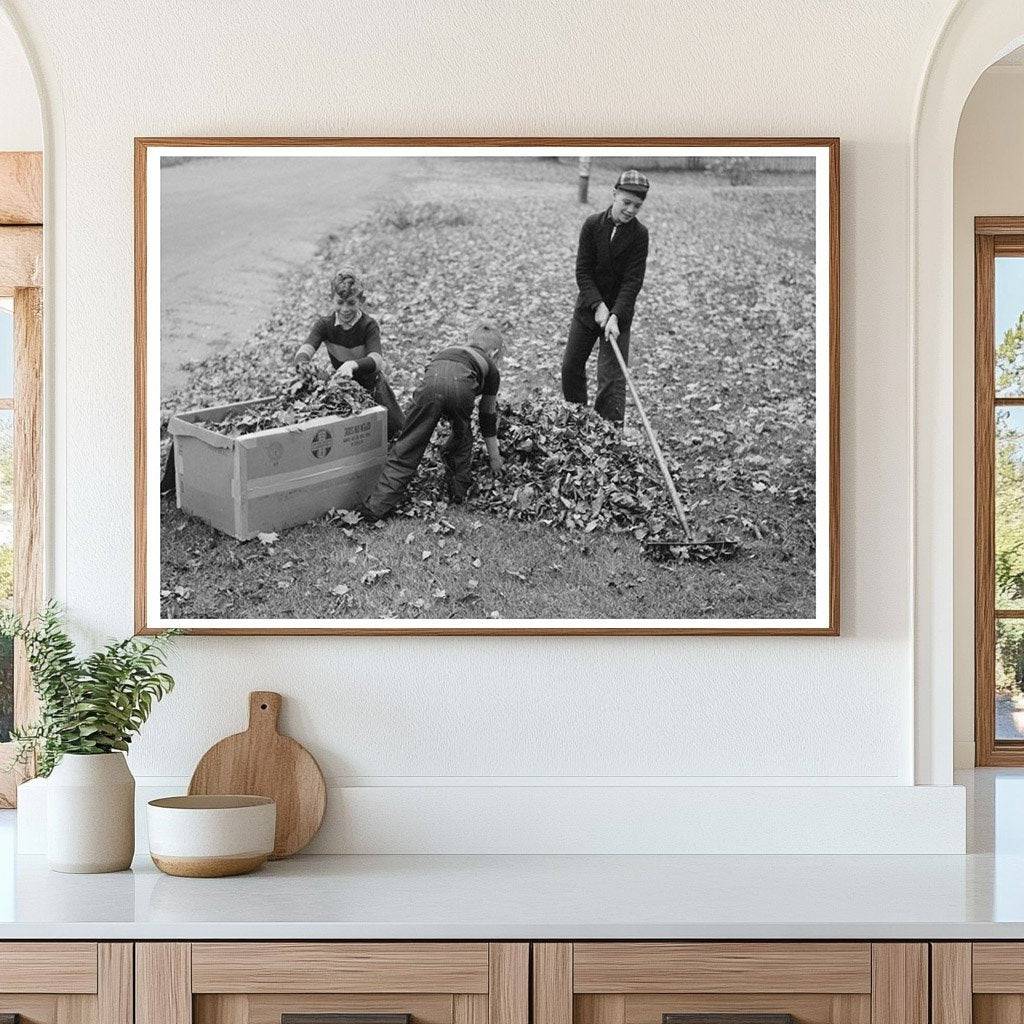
{"points": [[611, 272], [344, 343]]}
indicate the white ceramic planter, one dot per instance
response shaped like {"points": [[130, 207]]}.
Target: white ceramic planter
{"points": [[90, 814]]}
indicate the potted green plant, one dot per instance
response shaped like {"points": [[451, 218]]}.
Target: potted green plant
{"points": [[89, 710]]}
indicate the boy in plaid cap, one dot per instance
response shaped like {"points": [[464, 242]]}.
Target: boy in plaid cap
{"points": [[610, 265], [352, 340]]}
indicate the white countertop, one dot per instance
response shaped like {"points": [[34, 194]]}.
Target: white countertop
{"points": [[978, 896], [532, 897]]}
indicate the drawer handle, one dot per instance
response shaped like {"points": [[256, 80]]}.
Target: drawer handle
{"points": [[340, 1018], [728, 1018]]}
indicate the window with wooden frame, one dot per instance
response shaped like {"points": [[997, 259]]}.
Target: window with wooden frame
{"points": [[999, 491], [21, 365]]}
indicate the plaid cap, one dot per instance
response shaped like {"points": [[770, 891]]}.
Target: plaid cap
{"points": [[635, 182]]}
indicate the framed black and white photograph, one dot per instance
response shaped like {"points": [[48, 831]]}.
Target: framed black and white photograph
{"points": [[531, 386]]}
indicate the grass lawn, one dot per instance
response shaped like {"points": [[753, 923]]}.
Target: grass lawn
{"points": [[459, 567], [723, 349]]}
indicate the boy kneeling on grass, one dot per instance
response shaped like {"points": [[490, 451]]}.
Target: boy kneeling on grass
{"points": [[352, 340], [452, 382]]}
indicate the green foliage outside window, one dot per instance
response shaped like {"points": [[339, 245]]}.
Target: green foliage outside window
{"points": [[1009, 509], [6, 574], [1010, 360]]}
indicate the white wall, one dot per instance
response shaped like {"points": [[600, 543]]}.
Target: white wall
{"points": [[445, 712], [988, 181]]}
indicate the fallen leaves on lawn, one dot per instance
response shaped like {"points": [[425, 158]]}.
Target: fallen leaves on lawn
{"points": [[722, 348]]}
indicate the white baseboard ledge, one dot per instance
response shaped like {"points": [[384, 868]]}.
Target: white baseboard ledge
{"points": [[552, 819]]}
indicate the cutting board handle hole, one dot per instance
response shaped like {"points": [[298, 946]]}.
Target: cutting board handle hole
{"points": [[263, 707]]}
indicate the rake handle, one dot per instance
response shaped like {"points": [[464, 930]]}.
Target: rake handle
{"points": [[652, 437]]}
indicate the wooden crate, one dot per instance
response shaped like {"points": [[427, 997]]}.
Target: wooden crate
{"points": [[272, 479]]}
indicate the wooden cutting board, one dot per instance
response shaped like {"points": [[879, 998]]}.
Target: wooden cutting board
{"points": [[262, 762]]}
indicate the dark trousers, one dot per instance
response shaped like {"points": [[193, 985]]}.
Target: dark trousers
{"points": [[448, 392], [610, 401], [376, 384]]}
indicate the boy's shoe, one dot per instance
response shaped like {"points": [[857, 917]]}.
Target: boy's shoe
{"points": [[456, 491], [369, 516]]}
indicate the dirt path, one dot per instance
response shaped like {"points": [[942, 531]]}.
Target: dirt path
{"points": [[230, 227]]}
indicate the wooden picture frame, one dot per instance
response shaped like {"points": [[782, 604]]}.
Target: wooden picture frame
{"points": [[825, 621]]}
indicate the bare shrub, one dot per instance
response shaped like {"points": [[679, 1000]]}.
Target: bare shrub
{"points": [[404, 215], [737, 170]]}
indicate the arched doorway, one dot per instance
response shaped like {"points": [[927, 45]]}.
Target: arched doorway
{"points": [[975, 35]]}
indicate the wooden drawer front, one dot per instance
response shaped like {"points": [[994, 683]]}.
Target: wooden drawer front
{"points": [[48, 967], [267, 1009], [51, 1009], [257, 982], [710, 967], [998, 967], [365, 967], [55, 1001], [648, 1009], [977, 983]]}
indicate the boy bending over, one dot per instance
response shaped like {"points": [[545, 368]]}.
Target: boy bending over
{"points": [[452, 382]]}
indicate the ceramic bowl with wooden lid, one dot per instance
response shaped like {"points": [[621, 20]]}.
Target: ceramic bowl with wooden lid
{"points": [[211, 836]]}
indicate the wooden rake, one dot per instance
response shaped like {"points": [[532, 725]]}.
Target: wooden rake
{"points": [[686, 547]]}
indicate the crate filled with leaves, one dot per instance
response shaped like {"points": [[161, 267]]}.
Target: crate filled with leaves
{"points": [[270, 463]]}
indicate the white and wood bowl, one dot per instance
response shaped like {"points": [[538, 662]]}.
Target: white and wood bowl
{"points": [[211, 836]]}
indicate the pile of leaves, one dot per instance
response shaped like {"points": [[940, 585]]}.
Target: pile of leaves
{"points": [[307, 396], [564, 466]]}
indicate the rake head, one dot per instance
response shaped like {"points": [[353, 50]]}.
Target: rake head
{"points": [[679, 549]]}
